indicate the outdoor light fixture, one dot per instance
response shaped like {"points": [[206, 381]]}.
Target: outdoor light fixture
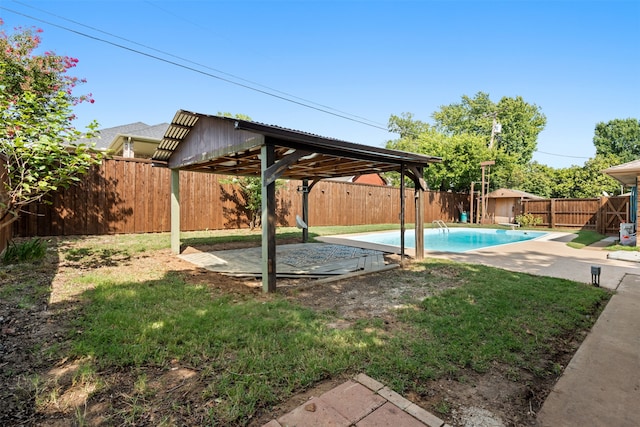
{"points": [[595, 276]]}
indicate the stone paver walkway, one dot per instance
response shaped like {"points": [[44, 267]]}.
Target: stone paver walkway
{"points": [[362, 402]]}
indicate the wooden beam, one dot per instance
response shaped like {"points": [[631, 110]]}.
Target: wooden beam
{"points": [[415, 173], [268, 222], [175, 211], [276, 170]]}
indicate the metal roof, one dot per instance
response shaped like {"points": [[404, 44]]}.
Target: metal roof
{"points": [[231, 146]]}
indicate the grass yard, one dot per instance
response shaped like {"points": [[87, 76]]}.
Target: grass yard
{"points": [[135, 336]]}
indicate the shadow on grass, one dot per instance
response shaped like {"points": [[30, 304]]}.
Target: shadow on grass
{"points": [[234, 353], [25, 337], [177, 350]]}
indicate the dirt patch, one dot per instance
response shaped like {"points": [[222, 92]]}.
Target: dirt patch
{"points": [[35, 324]]}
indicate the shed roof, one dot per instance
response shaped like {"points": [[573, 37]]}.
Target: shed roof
{"points": [[626, 173], [508, 193], [215, 144]]}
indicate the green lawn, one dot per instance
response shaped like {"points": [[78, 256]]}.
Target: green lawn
{"points": [[585, 238], [255, 352]]}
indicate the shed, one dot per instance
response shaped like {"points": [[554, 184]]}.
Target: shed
{"points": [[214, 144], [503, 205]]}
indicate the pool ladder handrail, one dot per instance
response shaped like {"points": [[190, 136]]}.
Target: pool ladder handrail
{"points": [[440, 223]]}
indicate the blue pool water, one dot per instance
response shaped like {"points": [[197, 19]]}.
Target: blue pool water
{"points": [[454, 240]]}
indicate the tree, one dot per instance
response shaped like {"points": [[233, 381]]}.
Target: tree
{"points": [[520, 123], [37, 134], [586, 181], [247, 197], [535, 178], [406, 126], [461, 157], [619, 137]]}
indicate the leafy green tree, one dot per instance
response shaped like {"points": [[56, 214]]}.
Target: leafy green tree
{"points": [[594, 183], [586, 181], [567, 182], [512, 125], [247, 197], [535, 178], [406, 126], [37, 134], [619, 137], [461, 157]]}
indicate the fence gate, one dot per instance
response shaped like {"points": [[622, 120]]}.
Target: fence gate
{"points": [[615, 212]]}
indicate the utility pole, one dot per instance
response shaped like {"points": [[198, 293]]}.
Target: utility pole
{"points": [[496, 128]]}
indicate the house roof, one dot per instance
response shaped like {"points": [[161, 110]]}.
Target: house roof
{"points": [[112, 138], [626, 173], [215, 144], [509, 193]]}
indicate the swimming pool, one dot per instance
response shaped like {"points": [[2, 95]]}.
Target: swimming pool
{"points": [[454, 240]]}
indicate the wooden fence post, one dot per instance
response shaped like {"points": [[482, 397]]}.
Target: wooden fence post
{"points": [[552, 213], [601, 216]]}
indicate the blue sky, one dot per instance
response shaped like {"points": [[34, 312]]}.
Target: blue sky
{"points": [[579, 61]]}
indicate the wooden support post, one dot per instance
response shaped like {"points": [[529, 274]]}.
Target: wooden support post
{"points": [[419, 225], [402, 206], [268, 221], [175, 211], [552, 213], [305, 210]]}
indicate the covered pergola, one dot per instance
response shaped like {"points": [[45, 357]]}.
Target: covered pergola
{"points": [[222, 145]]}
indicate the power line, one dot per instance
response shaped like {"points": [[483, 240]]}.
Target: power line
{"points": [[561, 155], [193, 62], [302, 102]]}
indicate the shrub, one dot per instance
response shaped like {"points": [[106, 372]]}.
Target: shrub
{"points": [[528, 220], [30, 250]]}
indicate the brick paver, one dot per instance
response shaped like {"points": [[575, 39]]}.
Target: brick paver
{"points": [[363, 402], [353, 400], [389, 415], [314, 413]]}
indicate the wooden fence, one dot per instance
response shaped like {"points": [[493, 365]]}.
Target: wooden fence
{"points": [[131, 196], [603, 214]]}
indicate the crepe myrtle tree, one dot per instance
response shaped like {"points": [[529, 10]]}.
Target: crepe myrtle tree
{"points": [[38, 153]]}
